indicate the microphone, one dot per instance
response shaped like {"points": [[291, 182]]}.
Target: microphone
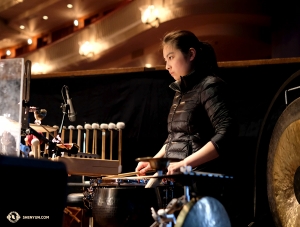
{"points": [[71, 112]]}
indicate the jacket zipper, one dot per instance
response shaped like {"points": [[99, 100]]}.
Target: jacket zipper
{"points": [[174, 114]]}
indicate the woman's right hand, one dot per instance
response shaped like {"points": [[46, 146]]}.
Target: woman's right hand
{"points": [[142, 168]]}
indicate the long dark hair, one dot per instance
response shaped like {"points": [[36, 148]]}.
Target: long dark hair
{"points": [[183, 40]]}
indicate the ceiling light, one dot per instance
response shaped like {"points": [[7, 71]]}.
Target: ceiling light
{"points": [[39, 68], [45, 17], [29, 41], [76, 23], [70, 6], [8, 52], [22, 27]]}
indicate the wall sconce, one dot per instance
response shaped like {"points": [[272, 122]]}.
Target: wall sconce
{"points": [[86, 49], [89, 49], [38, 68], [150, 15]]}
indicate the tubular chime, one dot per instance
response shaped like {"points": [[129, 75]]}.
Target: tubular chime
{"points": [[55, 132]]}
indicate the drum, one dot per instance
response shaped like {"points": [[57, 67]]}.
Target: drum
{"points": [[120, 201], [124, 206], [204, 212]]}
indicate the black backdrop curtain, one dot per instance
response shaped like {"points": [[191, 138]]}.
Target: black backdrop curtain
{"points": [[142, 100]]}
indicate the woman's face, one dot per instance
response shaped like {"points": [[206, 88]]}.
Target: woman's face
{"points": [[176, 63]]}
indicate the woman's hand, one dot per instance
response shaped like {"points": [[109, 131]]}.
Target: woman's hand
{"points": [[174, 167], [142, 168]]}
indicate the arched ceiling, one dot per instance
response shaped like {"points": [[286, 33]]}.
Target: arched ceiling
{"points": [[238, 30]]}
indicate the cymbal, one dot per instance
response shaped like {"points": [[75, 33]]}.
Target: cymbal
{"points": [[42, 128], [158, 163]]}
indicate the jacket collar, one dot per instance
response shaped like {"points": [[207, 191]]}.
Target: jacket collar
{"points": [[186, 82]]}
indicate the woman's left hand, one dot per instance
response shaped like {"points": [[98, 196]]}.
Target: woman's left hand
{"points": [[174, 167]]}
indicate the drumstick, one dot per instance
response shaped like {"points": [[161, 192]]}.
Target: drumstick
{"points": [[63, 135], [87, 127], [103, 127], [127, 174], [71, 127], [111, 127], [79, 127], [35, 143], [122, 175], [55, 135], [95, 127], [120, 126], [131, 178], [55, 132]]}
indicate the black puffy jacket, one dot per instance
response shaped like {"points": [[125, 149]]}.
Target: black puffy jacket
{"points": [[202, 111]]}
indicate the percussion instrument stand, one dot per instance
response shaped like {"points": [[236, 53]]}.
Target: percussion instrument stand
{"points": [[64, 108], [26, 97], [165, 217], [88, 197]]}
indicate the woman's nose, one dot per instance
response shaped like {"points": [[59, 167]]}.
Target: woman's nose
{"points": [[167, 66]]}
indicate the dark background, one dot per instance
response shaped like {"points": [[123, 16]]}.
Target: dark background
{"points": [[142, 99]]}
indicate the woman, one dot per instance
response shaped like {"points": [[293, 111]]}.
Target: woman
{"points": [[201, 122], [202, 128]]}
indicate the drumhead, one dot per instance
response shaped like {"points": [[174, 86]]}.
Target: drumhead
{"points": [[204, 212]]}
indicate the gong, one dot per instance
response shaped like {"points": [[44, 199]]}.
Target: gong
{"points": [[203, 212], [282, 168]]}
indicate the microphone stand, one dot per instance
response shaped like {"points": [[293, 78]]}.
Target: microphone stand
{"points": [[65, 107]]}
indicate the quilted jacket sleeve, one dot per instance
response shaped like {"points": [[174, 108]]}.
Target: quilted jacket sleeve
{"points": [[217, 101]]}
